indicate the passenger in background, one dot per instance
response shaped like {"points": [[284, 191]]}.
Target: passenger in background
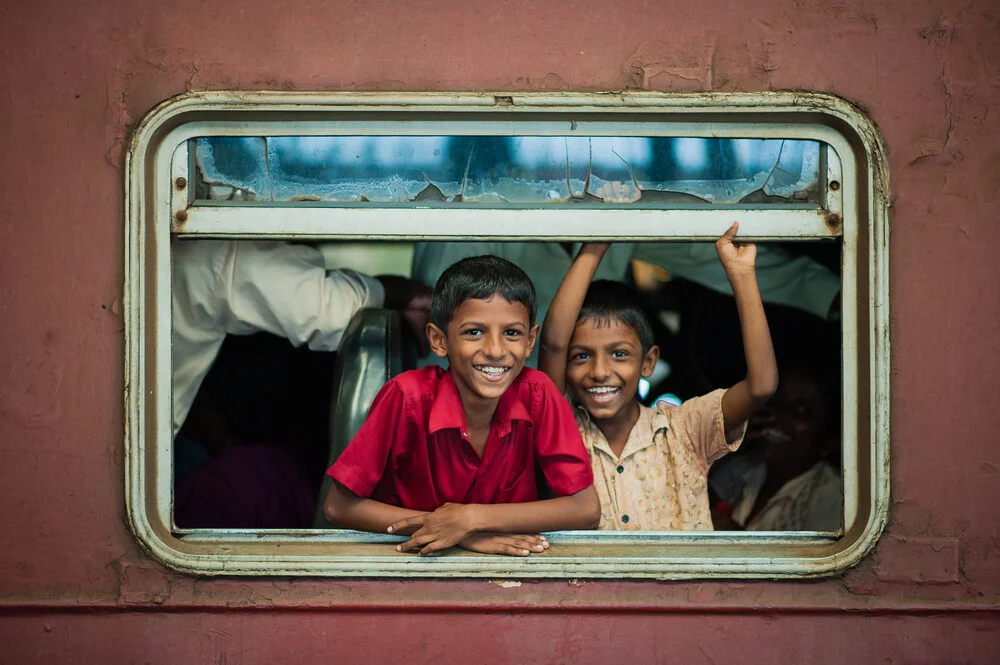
{"points": [[245, 457], [650, 465], [241, 287], [259, 426], [786, 477]]}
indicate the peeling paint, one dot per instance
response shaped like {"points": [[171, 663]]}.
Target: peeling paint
{"points": [[142, 583], [920, 560]]}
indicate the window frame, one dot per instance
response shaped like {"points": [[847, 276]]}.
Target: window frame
{"points": [[157, 190]]}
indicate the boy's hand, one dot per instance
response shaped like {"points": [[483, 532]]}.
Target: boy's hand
{"points": [[513, 544], [446, 527], [736, 258]]}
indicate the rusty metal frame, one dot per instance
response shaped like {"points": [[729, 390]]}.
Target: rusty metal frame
{"points": [[157, 205]]}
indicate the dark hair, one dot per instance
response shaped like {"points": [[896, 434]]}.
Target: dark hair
{"points": [[608, 301], [480, 278]]}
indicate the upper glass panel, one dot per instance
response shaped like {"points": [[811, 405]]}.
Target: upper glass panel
{"points": [[497, 171]]}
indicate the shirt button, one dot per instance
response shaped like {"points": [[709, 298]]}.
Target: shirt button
{"points": [[625, 519], [620, 469]]}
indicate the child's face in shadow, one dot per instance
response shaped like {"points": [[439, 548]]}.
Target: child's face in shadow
{"points": [[486, 343], [604, 365], [794, 424]]}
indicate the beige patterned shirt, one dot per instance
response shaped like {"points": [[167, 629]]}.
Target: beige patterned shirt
{"points": [[660, 482]]}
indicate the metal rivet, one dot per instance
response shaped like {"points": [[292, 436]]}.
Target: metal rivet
{"points": [[181, 183], [834, 185], [181, 215]]}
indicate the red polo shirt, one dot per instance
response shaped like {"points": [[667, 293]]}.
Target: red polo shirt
{"points": [[413, 450]]}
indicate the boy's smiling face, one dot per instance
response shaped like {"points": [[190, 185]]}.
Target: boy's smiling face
{"points": [[604, 366], [486, 343]]}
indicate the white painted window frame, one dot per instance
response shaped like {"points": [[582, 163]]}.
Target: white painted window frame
{"points": [[158, 205]]}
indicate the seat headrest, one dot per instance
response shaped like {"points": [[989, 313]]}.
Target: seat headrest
{"points": [[369, 355]]}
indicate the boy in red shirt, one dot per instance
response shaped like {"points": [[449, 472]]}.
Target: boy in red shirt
{"points": [[448, 457]]}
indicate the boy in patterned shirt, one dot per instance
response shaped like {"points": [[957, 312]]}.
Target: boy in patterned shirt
{"points": [[650, 464]]}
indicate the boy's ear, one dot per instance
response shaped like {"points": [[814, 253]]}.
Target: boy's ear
{"points": [[438, 340], [649, 361], [532, 338]]}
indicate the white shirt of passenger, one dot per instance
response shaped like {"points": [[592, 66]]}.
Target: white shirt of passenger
{"points": [[242, 287]]}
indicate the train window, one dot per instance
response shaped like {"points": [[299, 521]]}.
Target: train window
{"points": [[405, 184]]}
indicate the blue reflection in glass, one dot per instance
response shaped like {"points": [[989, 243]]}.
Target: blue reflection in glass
{"points": [[512, 169]]}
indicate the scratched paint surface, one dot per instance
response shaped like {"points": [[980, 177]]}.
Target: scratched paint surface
{"points": [[76, 77]]}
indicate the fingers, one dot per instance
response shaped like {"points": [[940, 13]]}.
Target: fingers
{"points": [[731, 232], [508, 544], [530, 543], [416, 540], [491, 543], [520, 543], [429, 543], [435, 546], [415, 521], [496, 547]]}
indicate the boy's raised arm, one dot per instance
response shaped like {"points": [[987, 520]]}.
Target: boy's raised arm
{"points": [[557, 330], [746, 397]]}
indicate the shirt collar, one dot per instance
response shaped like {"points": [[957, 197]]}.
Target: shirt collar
{"points": [[447, 411], [642, 436]]}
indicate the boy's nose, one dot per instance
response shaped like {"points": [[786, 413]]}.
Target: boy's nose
{"points": [[600, 369], [493, 347]]}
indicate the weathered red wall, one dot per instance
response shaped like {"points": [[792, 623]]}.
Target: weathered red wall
{"points": [[76, 76]]}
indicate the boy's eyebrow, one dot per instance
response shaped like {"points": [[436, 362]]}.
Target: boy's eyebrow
{"points": [[615, 345], [480, 324]]}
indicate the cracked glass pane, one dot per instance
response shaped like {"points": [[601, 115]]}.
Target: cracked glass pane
{"points": [[508, 170]]}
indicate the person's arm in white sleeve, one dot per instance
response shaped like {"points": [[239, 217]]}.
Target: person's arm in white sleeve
{"points": [[798, 282], [285, 289]]}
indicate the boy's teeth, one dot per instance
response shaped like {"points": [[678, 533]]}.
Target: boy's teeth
{"points": [[602, 390], [495, 371]]}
